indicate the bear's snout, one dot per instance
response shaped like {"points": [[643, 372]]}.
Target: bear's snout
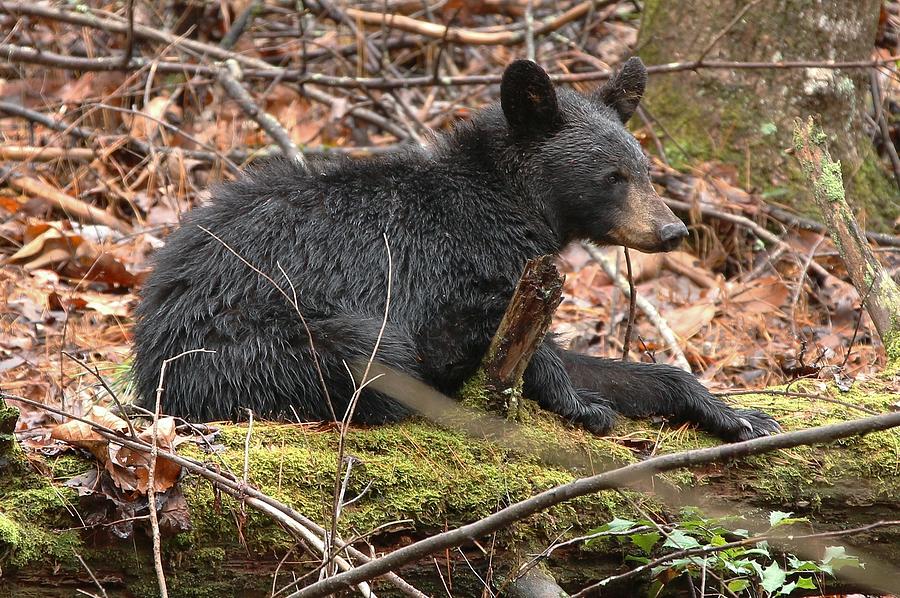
{"points": [[671, 235]]}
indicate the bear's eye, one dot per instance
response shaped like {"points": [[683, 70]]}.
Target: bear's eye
{"points": [[614, 179]]}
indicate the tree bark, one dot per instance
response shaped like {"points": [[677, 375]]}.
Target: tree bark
{"points": [[880, 293], [744, 117]]}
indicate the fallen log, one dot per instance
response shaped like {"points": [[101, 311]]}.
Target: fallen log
{"points": [[426, 479]]}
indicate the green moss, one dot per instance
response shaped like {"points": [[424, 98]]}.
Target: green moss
{"points": [[874, 193], [831, 184], [438, 479], [892, 349], [864, 468], [23, 542], [414, 470], [473, 393], [31, 509]]}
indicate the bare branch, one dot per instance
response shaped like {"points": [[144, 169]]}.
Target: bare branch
{"points": [[228, 77]]}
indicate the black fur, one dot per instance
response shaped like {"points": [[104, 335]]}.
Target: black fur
{"points": [[461, 217]]}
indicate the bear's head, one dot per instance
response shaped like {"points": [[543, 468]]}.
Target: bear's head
{"points": [[588, 167]]}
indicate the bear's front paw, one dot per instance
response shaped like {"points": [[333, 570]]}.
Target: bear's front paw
{"points": [[597, 416], [746, 424]]}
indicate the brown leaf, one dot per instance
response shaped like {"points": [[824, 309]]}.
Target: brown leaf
{"points": [[101, 266], [50, 248], [147, 122], [763, 296], [82, 435], [167, 471], [688, 321]]}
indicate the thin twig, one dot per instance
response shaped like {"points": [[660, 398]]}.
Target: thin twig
{"points": [[229, 79], [880, 119], [644, 305], [716, 38], [529, 29], [93, 577], [632, 298], [129, 33], [246, 477], [95, 372], [859, 319], [354, 399], [798, 288]]}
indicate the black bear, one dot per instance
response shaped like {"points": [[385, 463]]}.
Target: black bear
{"points": [[284, 274]]}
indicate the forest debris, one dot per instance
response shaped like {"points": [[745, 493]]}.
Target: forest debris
{"points": [[468, 36], [645, 306], [67, 203], [71, 254], [45, 154], [127, 467], [690, 320], [762, 296]]}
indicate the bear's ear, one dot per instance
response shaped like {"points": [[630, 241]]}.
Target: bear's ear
{"points": [[528, 98], [624, 91]]}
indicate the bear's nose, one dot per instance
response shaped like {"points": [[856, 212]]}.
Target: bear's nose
{"points": [[673, 232]]}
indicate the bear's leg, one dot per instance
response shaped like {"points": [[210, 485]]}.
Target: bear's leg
{"points": [[547, 382], [644, 389]]}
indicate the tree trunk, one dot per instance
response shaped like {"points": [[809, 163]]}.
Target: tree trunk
{"points": [[744, 117]]}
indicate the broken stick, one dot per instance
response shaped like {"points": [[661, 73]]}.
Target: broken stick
{"points": [[524, 324]]}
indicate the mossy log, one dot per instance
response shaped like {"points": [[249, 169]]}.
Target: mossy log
{"points": [[426, 478]]}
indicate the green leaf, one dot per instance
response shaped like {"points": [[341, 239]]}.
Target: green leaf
{"points": [[778, 518], [680, 540], [768, 129], [798, 565], [738, 585], [617, 525], [773, 578], [647, 541], [837, 558], [787, 588], [741, 566], [807, 583]]}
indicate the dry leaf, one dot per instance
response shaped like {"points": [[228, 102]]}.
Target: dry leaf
{"points": [[688, 321], [763, 296], [50, 248]]}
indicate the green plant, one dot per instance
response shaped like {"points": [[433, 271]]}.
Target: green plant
{"points": [[731, 559]]}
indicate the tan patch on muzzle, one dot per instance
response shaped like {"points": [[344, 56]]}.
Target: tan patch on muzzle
{"points": [[647, 223]]}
